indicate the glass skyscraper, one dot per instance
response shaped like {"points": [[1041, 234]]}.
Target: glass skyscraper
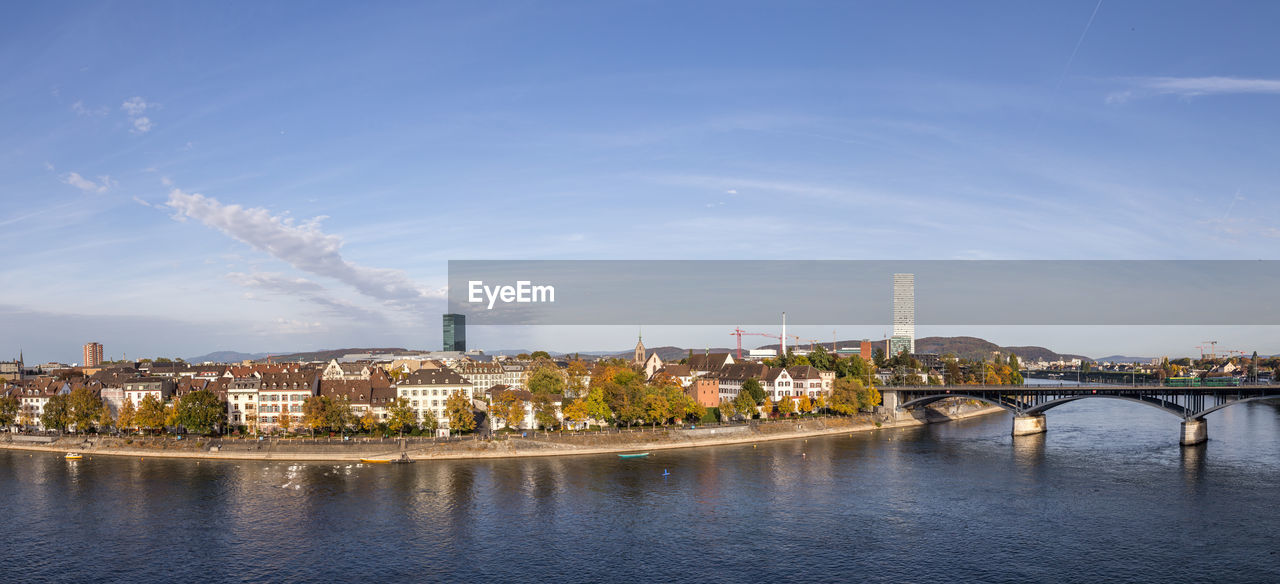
{"points": [[455, 333]]}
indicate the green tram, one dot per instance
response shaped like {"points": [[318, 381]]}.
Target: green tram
{"points": [[1224, 381]]}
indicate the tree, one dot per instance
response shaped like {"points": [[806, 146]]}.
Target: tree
{"points": [[56, 414], [128, 416], [821, 359], [752, 388], [200, 411], [820, 403], [402, 415], [546, 380], [728, 409], [316, 412], [82, 408], [9, 406], [368, 421], [596, 406], [544, 411], [657, 409], [577, 373], [786, 406], [539, 355], [805, 405], [284, 422], [105, 419], [340, 415], [746, 405], [510, 408], [151, 414], [461, 418], [845, 396], [576, 410]]}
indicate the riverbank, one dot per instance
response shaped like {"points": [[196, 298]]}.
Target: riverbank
{"points": [[536, 444]]}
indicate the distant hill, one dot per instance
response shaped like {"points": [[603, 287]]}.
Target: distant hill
{"points": [[328, 354], [975, 348], [1123, 359], [226, 357]]}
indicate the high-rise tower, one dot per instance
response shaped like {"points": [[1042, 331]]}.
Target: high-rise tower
{"points": [[455, 333], [92, 354], [904, 314]]}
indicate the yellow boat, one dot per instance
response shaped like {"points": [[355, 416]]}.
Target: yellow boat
{"points": [[375, 461], [73, 456]]}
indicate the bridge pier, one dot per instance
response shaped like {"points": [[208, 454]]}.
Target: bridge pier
{"points": [[1195, 431], [1028, 425]]}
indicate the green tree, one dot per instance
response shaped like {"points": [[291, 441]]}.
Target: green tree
{"points": [[657, 408], [9, 406], [822, 359], [151, 414], [461, 418], [57, 413], [596, 406], [200, 412], [546, 380], [539, 355], [752, 388], [340, 415], [402, 415], [82, 408], [544, 411]]}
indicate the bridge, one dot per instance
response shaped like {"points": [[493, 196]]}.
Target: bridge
{"points": [[1029, 402]]}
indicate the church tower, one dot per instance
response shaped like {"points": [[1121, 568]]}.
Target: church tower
{"points": [[639, 358]]}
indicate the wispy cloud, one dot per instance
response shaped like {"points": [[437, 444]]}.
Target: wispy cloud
{"points": [[305, 247], [82, 110], [304, 289], [136, 108], [1193, 87], [104, 184]]}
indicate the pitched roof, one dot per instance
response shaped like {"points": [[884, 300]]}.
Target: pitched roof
{"points": [[444, 376], [705, 362]]}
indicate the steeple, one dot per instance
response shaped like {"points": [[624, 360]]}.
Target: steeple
{"points": [[639, 357]]}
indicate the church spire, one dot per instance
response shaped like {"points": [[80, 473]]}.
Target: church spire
{"points": [[639, 357]]}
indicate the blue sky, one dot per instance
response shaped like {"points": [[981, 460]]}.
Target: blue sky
{"points": [[181, 178]]}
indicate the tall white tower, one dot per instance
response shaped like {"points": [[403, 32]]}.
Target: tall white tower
{"points": [[904, 313]]}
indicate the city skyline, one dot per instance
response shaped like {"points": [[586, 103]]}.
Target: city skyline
{"points": [[178, 181]]}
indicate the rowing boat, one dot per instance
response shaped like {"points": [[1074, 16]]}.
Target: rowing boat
{"points": [[640, 455]]}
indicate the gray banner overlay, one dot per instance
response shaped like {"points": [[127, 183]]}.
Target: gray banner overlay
{"points": [[855, 292]]}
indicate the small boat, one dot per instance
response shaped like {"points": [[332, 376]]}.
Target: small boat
{"points": [[376, 460], [73, 456], [640, 455]]}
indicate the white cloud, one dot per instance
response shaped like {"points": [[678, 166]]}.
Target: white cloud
{"points": [[135, 108], [139, 201], [141, 125], [305, 247], [1194, 86], [280, 284], [731, 192], [74, 179], [49, 166], [81, 110]]}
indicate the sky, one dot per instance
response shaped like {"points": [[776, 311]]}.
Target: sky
{"points": [[180, 178]]}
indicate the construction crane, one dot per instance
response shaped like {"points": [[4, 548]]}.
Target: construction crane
{"points": [[738, 332], [1213, 348]]}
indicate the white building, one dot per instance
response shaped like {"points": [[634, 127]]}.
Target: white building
{"points": [[428, 392]]}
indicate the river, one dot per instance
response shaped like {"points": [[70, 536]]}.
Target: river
{"points": [[1106, 495]]}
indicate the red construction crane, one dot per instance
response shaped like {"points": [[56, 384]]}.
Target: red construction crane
{"points": [[739, 332]]}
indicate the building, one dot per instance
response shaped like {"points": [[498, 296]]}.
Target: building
{"points": [[496, 394], [92, 354], [348, 371], [137, 389], [705, 391], [904, 314], [11, 370], [481, 375], [455, 333], [428, 392]]}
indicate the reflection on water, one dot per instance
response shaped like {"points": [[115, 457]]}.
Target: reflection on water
{"points": [[1106, 494]]}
